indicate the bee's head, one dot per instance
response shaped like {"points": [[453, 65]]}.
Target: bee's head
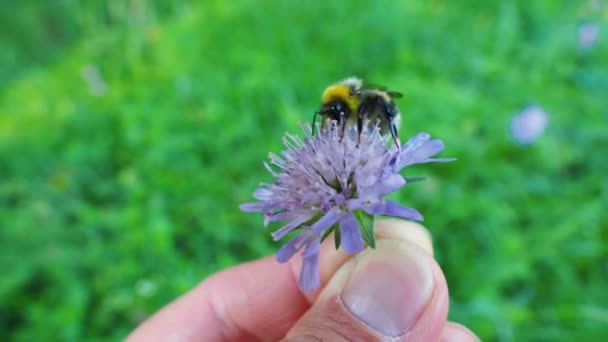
{"points": [[338, 101], [335, 110], [335, 102]]}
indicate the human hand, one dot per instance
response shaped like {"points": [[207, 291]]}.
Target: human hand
{"points": [[394, 292]]}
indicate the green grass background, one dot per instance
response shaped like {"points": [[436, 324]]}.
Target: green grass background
{"points": [[113, 205]]}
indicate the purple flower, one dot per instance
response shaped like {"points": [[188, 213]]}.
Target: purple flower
{"points": [[588, 34], [327, 183], [529, 124]]}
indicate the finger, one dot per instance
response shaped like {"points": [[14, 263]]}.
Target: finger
{"points": [[396, 291], [268, 290], [253, 301], [385, 229], [394, 229], [454, 332]]}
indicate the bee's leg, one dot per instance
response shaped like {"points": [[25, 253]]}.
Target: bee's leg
{"points": [[391, 124], [359, 129], [360, 116], [343, 128], [314, 121], [393, 130]]}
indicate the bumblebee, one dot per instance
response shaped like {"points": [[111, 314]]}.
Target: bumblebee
{"points": [[349, 103]]}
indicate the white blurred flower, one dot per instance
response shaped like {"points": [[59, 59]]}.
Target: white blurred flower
{"points": [[92, 77], [529, 124], [588, 34], [145, 288]]}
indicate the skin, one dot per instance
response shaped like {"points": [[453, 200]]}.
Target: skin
{"points": [[260, 300]]}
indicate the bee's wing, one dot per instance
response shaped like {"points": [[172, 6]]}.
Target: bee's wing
{"points": [[373, 86], [392, 93]]}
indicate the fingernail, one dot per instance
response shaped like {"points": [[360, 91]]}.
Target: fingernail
{"points": [[390, 295]]}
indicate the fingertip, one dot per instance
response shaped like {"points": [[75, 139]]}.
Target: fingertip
{"points": [[413, 232], [456, 332], [385, 229]]}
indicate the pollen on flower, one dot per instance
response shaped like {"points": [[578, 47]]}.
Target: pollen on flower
{"points": [[332, 182]]}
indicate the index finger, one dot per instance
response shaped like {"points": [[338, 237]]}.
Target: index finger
{"points": [[255, 300]]}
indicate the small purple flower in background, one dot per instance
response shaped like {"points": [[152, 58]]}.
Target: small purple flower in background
{"points": [[326, 183], [529, 124], [92, 76], [588, 34]]}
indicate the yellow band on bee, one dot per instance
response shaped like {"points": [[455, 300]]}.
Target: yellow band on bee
{"points": [[341, 92]]}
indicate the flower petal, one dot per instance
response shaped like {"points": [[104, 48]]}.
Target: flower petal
{"points": [[350, 234], [439, 160], [262, 194], [420, 153], [255, 206], [390, 208], [415, 142], [354, 204], [331, 217], [281, 216], [313, 245], [292, 246], [387, 185], [309, 275], [289, 249], [278, 234]]}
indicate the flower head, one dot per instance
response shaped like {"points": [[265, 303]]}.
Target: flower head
{"points": [[588, 34], [332, 183], [529, 124]]}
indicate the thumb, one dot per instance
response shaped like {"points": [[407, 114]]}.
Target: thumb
{"points": [[394, 292]]}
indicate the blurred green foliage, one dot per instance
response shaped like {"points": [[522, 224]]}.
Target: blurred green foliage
{"points": [[131, 131]]}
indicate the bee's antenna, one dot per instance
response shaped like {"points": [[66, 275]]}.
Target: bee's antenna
{"points": [[314, 121]]}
